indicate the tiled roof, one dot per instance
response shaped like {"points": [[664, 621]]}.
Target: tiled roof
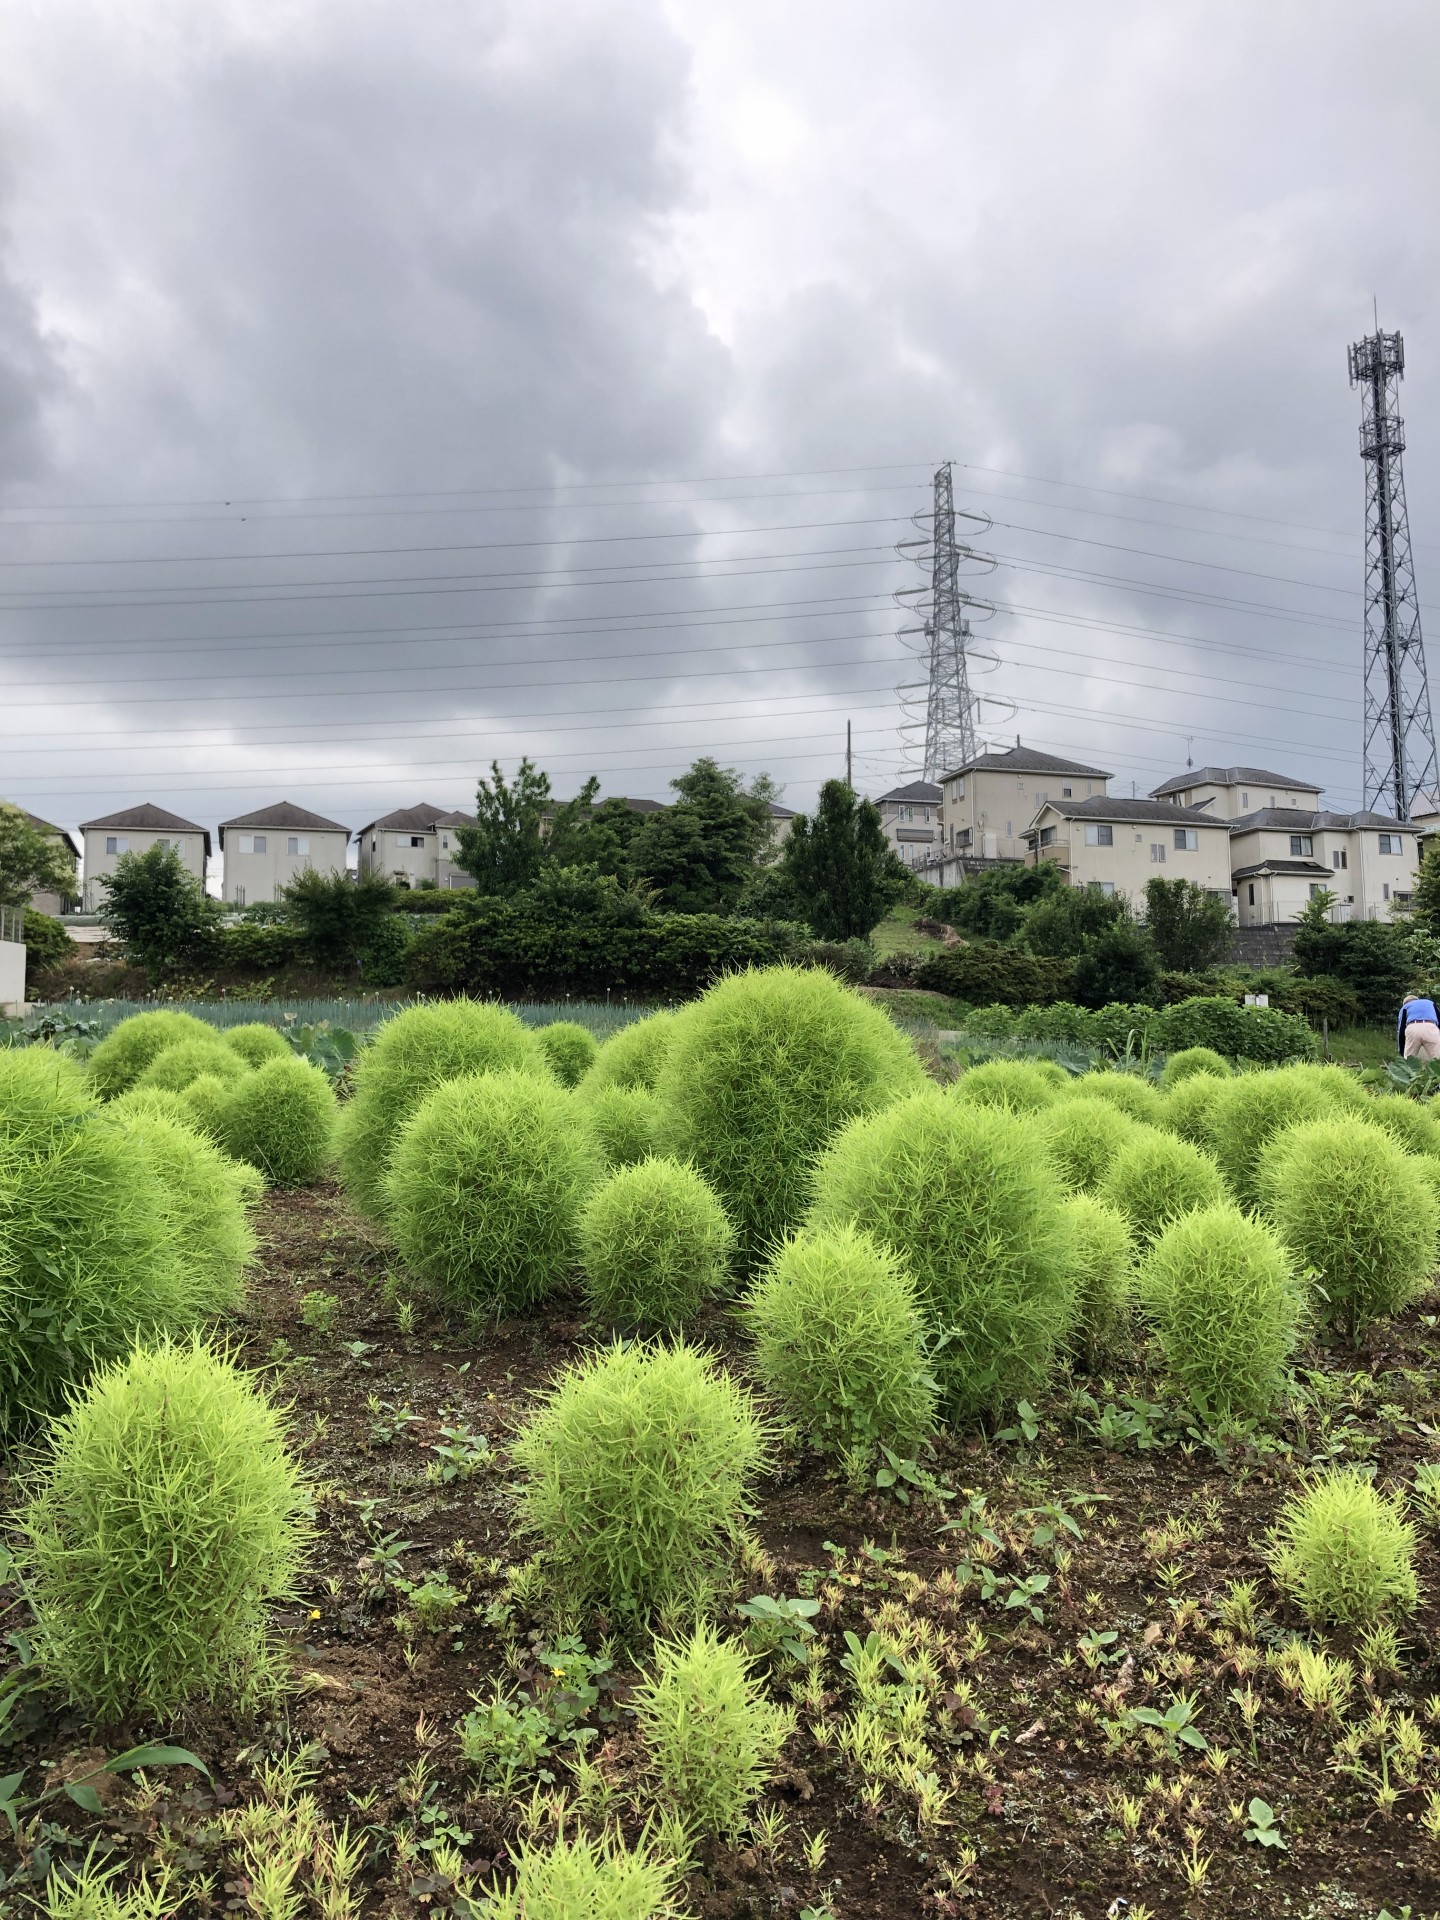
{"points": [[1025, 760], [1233, 777], [144, 819], [918, 790], [1158, 813], [1305, 820], [284, 814], [1310, 867]]}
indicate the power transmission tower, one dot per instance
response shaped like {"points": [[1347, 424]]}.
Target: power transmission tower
{"points": [[1399, 730], [947, 714]]}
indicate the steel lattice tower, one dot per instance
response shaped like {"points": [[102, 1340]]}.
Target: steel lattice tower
{"points": [[1399, 730], [949, 703]]}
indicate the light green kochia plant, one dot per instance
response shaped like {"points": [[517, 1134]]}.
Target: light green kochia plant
{"points": [[1226, 1308], [967, 1200], [413, 1053], [1408, 1124], [124, 1054], [1082, 1137], [1021, 1086], [167, 1516], [761, 1073], [635, 1470], [1102, 1260], [839, 1343], [634, 1056], [1345, 1552], [1251, 1109], [256, 1043], [1127, 1091], [173, 1068], [1355, 1210], [587, 1879], [485, 1189], [43, 1095], [570, 1048], [654, 1245], [1190, 1061], [1190, 1109], [1155, 1178], [204, 1101], [281, 1119], [711, 1736], [207, 1196], [623, 1122]]}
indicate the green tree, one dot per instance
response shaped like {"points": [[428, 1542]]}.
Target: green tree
{"points": [[1068, 919], [1118, 964], [338, 921], [1425, 902], [1191, 929], [505, 849], [31, 862], [840, 866], [991, 904], [701, 852], [159, 913], [1376, 960]]}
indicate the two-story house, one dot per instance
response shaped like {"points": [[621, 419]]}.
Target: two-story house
{"points": [[265, 850], [1281, 857], [47, 902], [990, 802], [1231, 792], [1119, 845], [136, 830], [911, 817], [416, 846]]}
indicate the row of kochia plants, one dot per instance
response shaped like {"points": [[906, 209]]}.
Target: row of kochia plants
{"points": [[901, 1255]]}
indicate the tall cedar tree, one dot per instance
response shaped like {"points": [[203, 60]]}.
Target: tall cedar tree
{"points": [[338, 920], [31, 862], [841, 868], [700, 853], [1191, 929], [161, 915], [505, 849]]}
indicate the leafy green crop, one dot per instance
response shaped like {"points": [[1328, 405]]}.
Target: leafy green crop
{"points": [[1345, 1552], [124, 1054], [654, 1244], [281, 1118]]}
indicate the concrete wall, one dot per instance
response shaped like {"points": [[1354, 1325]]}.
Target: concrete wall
{"points": [[98, 860], [12, 978], [259, 872]]}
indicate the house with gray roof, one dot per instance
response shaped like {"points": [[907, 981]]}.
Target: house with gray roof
{"points": [[135, 830], [47, 902], [911, 817], [416, 846], [265, 850], [990, 802], [1230, 792]]}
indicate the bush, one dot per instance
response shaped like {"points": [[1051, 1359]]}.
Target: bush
{"points": [[760, 1074], [1190, 1109], [1406, 1121], [1250, 1110], [43, 1095], [1371, 957], [597, 1879], [166, 1518], [1102, 1255], [624, 1122], [256, 1043], [635, 1472], [413, 1052], [634, 1056], [570, 1049], [1355, 1210], [1119, 1028], [1226, 1309], [486, 1185], [971, 1207], [1261, 1034], [281, 1118], [1063, 1021], [47, 945], [1082, 1137], [1155, 1178], [839, 1344], [125, 1052], [1345, 1552], [175, 1067], [655, 1245], [711, 1736], [204, 1101], [1118, 964], [1019, 1086], [205, 1196], [1132, 1095], [1192, 1060], [986, 974]]}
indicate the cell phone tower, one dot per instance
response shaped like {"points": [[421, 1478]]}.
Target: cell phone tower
{"points": [[1399, 730], [942, 710]]}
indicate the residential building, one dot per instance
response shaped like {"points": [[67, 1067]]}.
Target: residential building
{"points": [[911, 817], [265, 850], [416, 846], [136, 830], [1281, 857], [990, 802], [1229, 793], [784, 819], [1120, 845], [54, 903]]}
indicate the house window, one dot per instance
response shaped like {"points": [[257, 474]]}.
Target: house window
{"points": [[1187, 839], [1107, 887], [1251, 891], [1392, 843], [409, 840], [1339, 860], [1009, 829], [1100, 836], [252, 843], [116, 843], [298, 843], [1067, 793], [1245, 801], [1302, 846], [1314, 888], [1386, 889], [1047, 836], [957, 789], [927, 816], [1157, 853], [445, 841]]}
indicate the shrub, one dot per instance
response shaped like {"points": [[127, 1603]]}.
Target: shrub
{"points": [[1355, 1210], [167, 1516], [1345, 1552], [971, 1207], [281, 1118], [1190, 1109], [635, 1471], [43, 1095], [1017, 1085], [1406, 1121], [256, 1043], [711, 1736], [1250, 1110], [1082, 1137], [175, 1067], [1155, 1178], [1102, 1254], [1261, 1034], [654, 1244], [1226, 1309], [760, 1074], [485, 1190], [205, 1196], [204, 1101], [634, 1056], [1126, 1091], [839, 1344], [570, 1048], [1192, 1060], [623, 1121], [597, 1879], [124, 1054], [410, 1055]]}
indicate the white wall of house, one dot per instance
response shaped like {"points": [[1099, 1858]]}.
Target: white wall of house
{"points": [[1371, 872], [261, 861], [913, 829], [1121, 856], [105, 847], [987, 813], [413, 857], [1227, 802], [12, 972]]}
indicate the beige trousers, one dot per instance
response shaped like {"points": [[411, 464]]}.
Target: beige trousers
{"points": [[1422, 1040]]}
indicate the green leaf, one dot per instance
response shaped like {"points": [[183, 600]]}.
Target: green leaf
{"points": [[156, 1755], [84, 1796]]}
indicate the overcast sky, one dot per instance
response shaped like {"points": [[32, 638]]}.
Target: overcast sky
{"points": [[386, 389]]}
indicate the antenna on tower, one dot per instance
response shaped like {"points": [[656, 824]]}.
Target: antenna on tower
{"points": [[942, 708], [1399, 736]]}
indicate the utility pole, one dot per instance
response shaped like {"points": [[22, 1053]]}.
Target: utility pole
{"points": [[1399, 732], [849, 765]]}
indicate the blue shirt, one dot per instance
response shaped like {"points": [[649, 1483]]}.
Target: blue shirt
{"points": [[1415, 1010]]}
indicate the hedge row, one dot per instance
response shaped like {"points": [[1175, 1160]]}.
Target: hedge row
{"points": [[1260, 1034]]}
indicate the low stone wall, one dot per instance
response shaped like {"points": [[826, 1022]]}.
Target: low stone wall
{"points": [[1262, 946]]}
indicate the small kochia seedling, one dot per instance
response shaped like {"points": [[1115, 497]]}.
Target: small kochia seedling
{"points": [[1346, 1552]]}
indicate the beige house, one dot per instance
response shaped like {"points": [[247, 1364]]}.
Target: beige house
{"points": [[136, 830], [990, 802], [1281, 857], [416, 846], [52, 903], [911, 817], [1119, 845], [264, 851], [1229, 793]]}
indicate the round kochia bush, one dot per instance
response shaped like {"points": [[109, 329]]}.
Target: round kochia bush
{"points": [[1102, 1256], [1155, 1177], [1355, 1210], [654, 1244], [1082, 1137], [175, 1067], [1406, 1122], [43, 1096], [1225, 1307], [1251, 1109], [204, 1101], [167, 1516], [623, 1122], [281, 1118], [1192, 1060], [760, 1075], [634, 1056], [124, 1054], [1346, 1553], [256, 1043], [206, 1196], [1190, 1109], [1013, 1084], [967, 1200], [570, 1048], [635, 1471], [414, 1052], [1126, 1091], [839, 1343], [486, 1186]]}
